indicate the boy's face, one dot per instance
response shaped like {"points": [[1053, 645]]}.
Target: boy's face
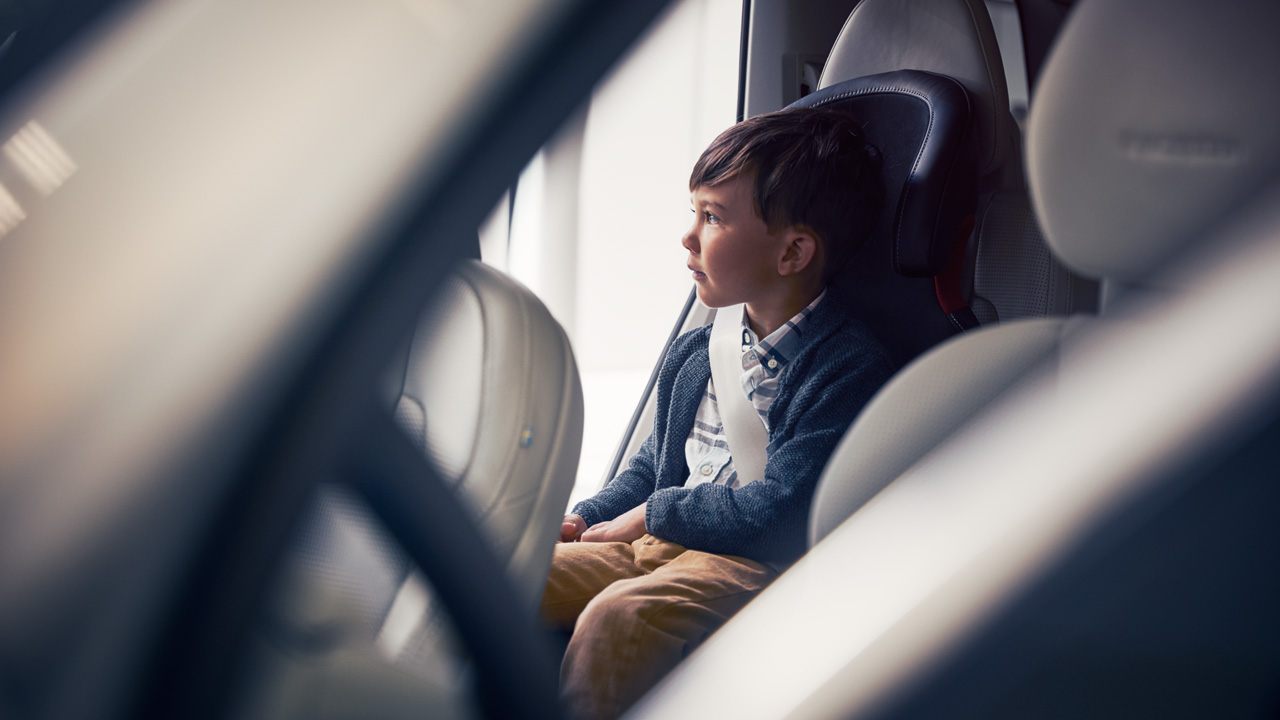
{"points": [[733, 256]]}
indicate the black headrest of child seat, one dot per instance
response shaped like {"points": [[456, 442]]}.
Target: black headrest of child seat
{"points": [[921, 123]]}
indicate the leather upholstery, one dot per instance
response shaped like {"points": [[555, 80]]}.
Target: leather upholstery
{"points": [[489, 391], [1015, 276], [922, 406], [951, 37], [955, 38], [920, 122], [1183, 140], [492, 377]]}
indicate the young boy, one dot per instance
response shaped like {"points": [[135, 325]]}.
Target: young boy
{"points": [[676, 544]]}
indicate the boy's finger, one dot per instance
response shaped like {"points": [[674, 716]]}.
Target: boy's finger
{"points": [[569, 530]]}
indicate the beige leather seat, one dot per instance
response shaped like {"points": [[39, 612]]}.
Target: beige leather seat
{"points": [[489, 391], [491, 394]]}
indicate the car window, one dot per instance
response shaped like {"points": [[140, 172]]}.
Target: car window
{"points": [[598, 213]]}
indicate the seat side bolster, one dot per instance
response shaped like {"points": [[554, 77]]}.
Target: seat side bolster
{"points": [[924, 404]]}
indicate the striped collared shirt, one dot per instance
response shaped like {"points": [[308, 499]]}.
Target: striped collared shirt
{"points": [[706, 450]]}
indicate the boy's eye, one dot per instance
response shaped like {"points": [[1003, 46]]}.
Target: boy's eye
{"points": [[711, 217]]}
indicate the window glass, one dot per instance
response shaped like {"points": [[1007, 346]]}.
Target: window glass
{"points": [[598, 215]]}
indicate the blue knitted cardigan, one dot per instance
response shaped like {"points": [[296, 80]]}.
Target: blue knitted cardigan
{"points": [[836, 370]]}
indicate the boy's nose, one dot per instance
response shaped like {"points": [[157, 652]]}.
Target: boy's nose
{"points": [[690, 240]]}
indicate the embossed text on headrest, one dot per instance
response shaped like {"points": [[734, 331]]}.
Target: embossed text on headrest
{"points": [[1183, 149]]}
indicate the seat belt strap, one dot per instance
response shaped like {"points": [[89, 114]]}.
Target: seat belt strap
{"points": [[743, 429]]}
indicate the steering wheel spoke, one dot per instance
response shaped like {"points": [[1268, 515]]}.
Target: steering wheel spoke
{"points": [[514, 669]]}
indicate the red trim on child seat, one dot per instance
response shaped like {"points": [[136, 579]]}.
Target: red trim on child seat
{"points": [[947, 284]]}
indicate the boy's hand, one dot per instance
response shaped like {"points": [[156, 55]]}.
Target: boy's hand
{"points": [[571, 528], [626, 527]]}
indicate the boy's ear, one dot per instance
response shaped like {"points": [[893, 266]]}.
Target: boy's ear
{"points": [[799, 252]]}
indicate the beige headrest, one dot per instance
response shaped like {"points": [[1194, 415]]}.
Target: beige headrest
{"points": [[1152, 120], [948, 37]]}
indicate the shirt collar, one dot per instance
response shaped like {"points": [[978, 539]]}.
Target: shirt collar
{"points": [[779, 346]]}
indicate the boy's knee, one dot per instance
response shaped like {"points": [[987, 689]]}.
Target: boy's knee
{"points": [[613, 609], [622, 646]]}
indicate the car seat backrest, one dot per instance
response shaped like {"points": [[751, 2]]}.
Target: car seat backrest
{"points": [[491, 394], [1124, 173], [1014, 275], [488, 391], [952, 38], [923, 303], [920, 123], [1009, 272]]}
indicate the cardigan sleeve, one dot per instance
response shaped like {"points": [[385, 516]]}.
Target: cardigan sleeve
{"points": [[767, 520], [633, 486], [628, 488]]}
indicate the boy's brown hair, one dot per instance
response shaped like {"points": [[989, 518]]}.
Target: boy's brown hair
{"points": [[812, 169]]}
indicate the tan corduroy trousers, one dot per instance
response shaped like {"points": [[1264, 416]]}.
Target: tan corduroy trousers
{"points": [[636, 610]]}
